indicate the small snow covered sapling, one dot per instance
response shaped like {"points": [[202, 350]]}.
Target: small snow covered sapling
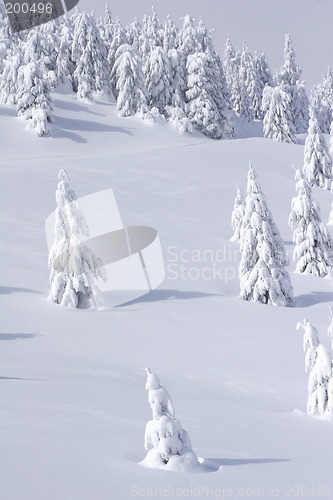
{"points": [[237, 215], [318, 364], [169, 442]]}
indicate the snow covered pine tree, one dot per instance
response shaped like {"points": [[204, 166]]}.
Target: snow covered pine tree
{"points": [[318, 362], [313, 243], [131, 91], [278, 119], [73, 266], [170, 443], [263, 277], [317, 160], [237, 215], [289, 79], [34, 102]]}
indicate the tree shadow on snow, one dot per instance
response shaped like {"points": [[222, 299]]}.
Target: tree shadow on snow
{"points": [[7, 111], [87, 126], [58, 133], [23, 379], [214, 464], [313, 298], [4, 290], [16, 336], [73, 106], [160, 295]]}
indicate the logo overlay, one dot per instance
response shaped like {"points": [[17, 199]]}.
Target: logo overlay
{"points": [[131, 256], [26, 14]]}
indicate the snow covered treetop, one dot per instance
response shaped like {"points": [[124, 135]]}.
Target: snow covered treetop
{"points": [[253, 185], [158, 397], [62, 176], [311, 336], [153, 382], [64, 193]]}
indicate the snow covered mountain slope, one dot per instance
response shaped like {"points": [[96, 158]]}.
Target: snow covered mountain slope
{"points": [[72, 383]]}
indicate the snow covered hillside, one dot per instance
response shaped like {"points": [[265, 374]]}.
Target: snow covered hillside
{"points": [[73, 404]]}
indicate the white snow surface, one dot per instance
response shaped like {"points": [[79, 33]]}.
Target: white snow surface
{"points": [[73, 405]]}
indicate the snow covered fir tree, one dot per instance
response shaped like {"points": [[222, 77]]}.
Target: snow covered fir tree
{"points": [[168, 443], [276, 106], [263, 276], [313, 243], [289, 78], [34, 102], [318, 363], [74, 267], [318, 165]]}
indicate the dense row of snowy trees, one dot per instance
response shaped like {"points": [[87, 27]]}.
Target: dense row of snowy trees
{"points": [[155, 70]]}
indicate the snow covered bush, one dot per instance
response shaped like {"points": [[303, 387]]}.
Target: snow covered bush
{"points": [[34, 101], [318, 364], [313, 243], [73, 266], [168, 443], [237, 215], [263, 277], [318, 167], [278, 120]]}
